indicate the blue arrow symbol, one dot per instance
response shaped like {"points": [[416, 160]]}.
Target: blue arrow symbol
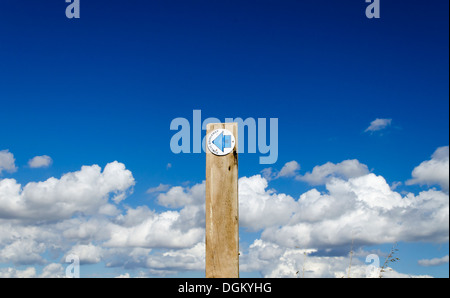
{"points": [[227, 141], [219, 141], [222, 141]]}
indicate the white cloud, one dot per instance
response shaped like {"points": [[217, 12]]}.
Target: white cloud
{"points": [[179, 196], [84, 229], [191, 258], [146, 228], [159, 262], [160, 188], [434, 261], [86, 191], [268, 174], [324, 173], [378, 124], [52, 270], [76, 214], [434, 171], [87, 253], [23, 251], [29, 272], [395, 185], [118, 236], [275, 261], [142, 227], [365, 208], [290, 169], [259, 208], [7, 162], [43, 161]]}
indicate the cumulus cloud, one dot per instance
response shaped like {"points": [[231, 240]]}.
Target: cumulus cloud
{"points": [[160, 188], [86, 191], [305, 263], [79, 213], [290, 169], [54, 215], [53, 270], [368, 210], [7, 162], [363, 207], [142, 227], [320, 174], [75, 215], [324, 173], [87, 253], [43, 161], [23, 252], [434, 171], [259, 208], [179, 196], [29, 272], [295, 262], [434, 261], [268, 173], [378, 124], [158, 262], [191, 258]]}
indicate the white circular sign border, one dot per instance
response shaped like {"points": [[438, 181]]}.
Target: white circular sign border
{"points": [[213, 148]]}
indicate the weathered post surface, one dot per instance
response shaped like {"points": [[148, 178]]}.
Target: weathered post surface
{"points": [[222, 214]]}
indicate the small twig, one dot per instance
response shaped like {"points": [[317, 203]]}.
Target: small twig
{"points": [[303, 265], [389, 259]]}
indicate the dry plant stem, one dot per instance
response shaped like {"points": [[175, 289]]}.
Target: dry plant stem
{"points": [[389, 259], [351, 259]]}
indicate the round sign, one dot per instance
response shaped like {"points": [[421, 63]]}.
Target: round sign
{"points": [[220, 142]]}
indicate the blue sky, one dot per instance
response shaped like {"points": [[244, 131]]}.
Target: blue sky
{"points": [[105, 87]]}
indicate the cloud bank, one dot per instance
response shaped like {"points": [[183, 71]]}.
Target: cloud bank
{"points": [[85, 213]]}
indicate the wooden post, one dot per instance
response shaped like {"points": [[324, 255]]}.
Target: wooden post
{"points": [[222, 217]]}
